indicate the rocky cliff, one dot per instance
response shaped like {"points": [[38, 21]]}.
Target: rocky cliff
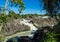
{"points": [[14, 26]]}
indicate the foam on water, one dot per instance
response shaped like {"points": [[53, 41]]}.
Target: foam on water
{"points": [[26, 22], [45, 17]]}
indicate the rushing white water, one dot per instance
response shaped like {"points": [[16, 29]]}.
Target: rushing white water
{"points": [[26, 22], [45, 17], [28, 33]]}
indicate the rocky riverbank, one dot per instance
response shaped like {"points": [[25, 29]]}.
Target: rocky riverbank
{"points": [[24, 24]]}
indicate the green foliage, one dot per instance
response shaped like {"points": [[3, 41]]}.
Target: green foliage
{"points": [[54, 35], [51, 7], [2, 38], [57, 31], [13, 15], [18, 3], [50, 37], [57, 28], [13, 39], [3, 18], [6, 18], [30, 15]]}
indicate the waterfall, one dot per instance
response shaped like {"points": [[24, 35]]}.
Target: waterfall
{"points": [[26, 22]]}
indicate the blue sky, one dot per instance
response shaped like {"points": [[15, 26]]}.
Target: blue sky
{"points": [[31, 6]]}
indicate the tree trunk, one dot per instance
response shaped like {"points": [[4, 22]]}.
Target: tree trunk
{"points": [[6, 4]]}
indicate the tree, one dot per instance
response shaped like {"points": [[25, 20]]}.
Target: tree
{"points": [[16, 3], [0, 10], [51, 7], [19, 3], [5, 6]]}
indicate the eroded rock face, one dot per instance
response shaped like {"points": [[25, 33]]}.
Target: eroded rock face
{"points": [[42, 22], [13, 26]]}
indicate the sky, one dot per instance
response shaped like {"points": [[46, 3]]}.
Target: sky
{"points": [[31, 6]]}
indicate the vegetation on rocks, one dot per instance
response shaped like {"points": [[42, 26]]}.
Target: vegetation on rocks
{"points": [[2, 38], [48, 28]]}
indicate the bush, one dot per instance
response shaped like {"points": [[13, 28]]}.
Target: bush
{"points": [[2, 38], [57, 31], [3, 18]]}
